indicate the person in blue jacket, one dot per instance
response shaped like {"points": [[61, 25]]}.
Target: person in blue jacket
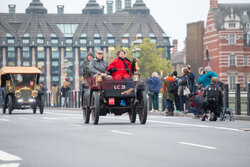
{"points": [[206, 76], [154, 86]]}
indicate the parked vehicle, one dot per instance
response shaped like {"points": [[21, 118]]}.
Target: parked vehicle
{"points": [[21, 89]]}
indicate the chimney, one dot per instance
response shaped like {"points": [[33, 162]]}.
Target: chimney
{"points": [[118, 5], [110, 6], [60, 9], [12, 8], [175, 44], [213, 4]]}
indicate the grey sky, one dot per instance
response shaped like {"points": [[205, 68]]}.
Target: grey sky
{"points": [[172, 15]]}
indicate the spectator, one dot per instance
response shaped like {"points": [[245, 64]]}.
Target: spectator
{"points": [[85, 65], [213, 95], [184, 89], [43, 90], [192, 79], [154, 86], [206, 75], [1, 97], [54, 94], [176, 96], [197, 103], [65, 93], [168, 92]]}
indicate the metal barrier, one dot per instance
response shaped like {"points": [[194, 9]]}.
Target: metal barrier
{"points": [[238, 100]]}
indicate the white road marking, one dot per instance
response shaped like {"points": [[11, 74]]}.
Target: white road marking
{"points": [[124, 133], [76, 125], [199, 126], [198, 145], [5, 120], [185, 124], [77, 115], [23, 118], [10, 165], [8, 157]]}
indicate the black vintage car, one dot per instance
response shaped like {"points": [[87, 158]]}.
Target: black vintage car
{"points": [[118, 97], [20, 89]]}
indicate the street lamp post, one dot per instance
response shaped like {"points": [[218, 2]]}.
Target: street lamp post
{"points": [[136, 55], [65, 67]]}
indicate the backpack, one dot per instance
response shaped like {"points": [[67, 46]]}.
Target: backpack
{"points": [[212, 93], [172, 88], [198, 100]]}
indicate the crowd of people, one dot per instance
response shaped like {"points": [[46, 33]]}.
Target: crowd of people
{"points": [[183, 94]]}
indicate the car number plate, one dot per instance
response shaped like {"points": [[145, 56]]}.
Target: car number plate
{"points": [[111, 101], [122, 87]]}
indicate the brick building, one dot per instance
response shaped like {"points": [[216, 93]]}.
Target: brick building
{"points": [[50, 40], [227, 42]]}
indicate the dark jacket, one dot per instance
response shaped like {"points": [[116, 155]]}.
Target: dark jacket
{"points": [[184, 81], [85, 68], [192, 82], [97, 66], [220, 101], [154, 84], [65, 91]]}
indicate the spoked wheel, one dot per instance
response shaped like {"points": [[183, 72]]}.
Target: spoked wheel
{"points": [[10, 102], [42, 101], [95, 107], [132, 116], [142, 106], [86, 110]]}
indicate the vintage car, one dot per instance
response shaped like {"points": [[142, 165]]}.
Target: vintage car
{"points": [[20, 89], [108, 96]]}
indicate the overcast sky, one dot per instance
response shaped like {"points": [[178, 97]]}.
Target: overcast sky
{"points": [[172, 15]]}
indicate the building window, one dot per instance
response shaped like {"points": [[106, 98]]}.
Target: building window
{"points": [[248, 39], [83, 53], [111, 41], [55, 63], [26, 52], [231, 25], [125, 40], [246, 82], [69, 41], [245, 60], [232, 39], [83, 41], [26, 63], [11, 53], [67, 29], [232, 61], [97, 41], [153, 40], [11, 41], [232, 82], [55, 78], [40, 40], [26, 41], [54, 41], [69, 53], [54, 53]]}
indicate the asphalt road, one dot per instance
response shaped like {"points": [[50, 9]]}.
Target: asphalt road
{"points": [[60, 139]]}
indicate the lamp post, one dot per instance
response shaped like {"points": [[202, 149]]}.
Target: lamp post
{"points": [[137, 54], [65, 67]]}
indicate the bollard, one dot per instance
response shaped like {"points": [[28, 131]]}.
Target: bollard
{"points": [[237, 100], [60, 100], [248, 100], [226, 96], [76, 99], [71, 105], [49, 99], [79, 99]]}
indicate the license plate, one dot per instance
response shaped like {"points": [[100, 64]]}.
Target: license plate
{"points": [[122, 87], [111, 101]]}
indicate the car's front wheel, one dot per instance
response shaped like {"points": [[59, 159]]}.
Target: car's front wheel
{"points": [[95, 107]]}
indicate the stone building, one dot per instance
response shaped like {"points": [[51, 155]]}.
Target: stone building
{"points": [[227, 42], [55, 41]]}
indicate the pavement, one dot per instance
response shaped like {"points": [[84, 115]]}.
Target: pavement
{"points": [[60, 138]]}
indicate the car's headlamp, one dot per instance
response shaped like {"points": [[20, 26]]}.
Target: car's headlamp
{"points": [[34, 93], [18, 94]]}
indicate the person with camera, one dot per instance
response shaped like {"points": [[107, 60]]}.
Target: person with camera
{"points": [[206, 75]]}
